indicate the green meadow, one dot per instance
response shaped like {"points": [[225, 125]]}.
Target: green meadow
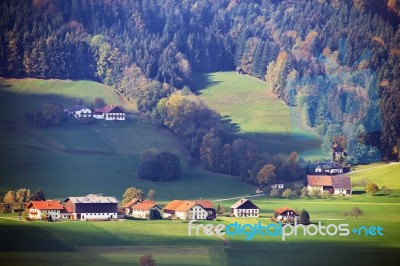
{"points": [[124, 242], [103, 157], [252, 110]]}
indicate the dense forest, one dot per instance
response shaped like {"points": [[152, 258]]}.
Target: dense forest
{"points": [[337, 60]]}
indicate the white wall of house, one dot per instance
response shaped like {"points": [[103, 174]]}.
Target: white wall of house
{"points": [[277, 186], [338, 191], [195, 213], [96, 216], [119, 117], [98, 116], [245, 212], [85, 112], [36, 214], [144, 214]]}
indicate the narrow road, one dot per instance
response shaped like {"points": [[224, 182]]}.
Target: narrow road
{"points": [[386, 165]]}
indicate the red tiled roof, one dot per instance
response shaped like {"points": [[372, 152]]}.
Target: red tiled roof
{"points": [[67, 209], [185, 206], [319, 180], [130, 203], [281, 210], [206, 204], [173, 205], [145, 205], [46, 205]]}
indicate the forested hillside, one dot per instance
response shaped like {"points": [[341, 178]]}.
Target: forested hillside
{"points": [[339, 61]]}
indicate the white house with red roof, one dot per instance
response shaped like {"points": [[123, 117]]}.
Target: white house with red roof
{"points": [[40, 209], [188, 210], [286, 214], [110, 113], [142, 209]]}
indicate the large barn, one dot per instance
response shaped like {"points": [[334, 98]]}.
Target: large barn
{"points": [[91, 207]]}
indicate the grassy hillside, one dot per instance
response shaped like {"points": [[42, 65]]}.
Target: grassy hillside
{"points": [[76, 159], [380, 174], [257, 113]]}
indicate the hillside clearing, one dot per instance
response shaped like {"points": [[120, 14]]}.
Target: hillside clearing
{"points": [[256, 113]]}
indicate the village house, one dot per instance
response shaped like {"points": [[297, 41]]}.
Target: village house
{"points": [[79, 111], [110, 113], [208, 206], [142, 209], [244, 208], [329, 168], [38, 210], [338, 185], [278, 184], [91, 207], [190, 210], [127, 207], [285, 215]]}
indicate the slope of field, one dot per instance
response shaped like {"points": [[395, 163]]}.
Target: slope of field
{"points": [[103, 157], [257, 113], [381, 174]]}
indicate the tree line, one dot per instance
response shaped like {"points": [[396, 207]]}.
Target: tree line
{"points": [[337, 60]]}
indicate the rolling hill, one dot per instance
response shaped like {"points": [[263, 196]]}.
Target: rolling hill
{"points": [[75, 159]]}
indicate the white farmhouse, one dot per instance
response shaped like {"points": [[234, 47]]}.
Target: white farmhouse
{"points": [[110, 112], [244, 208], [80, 111], [43, 209], [142, 209]]}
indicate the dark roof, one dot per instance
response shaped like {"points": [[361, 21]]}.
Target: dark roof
{"points": [[110, 109], [341, 182], [329, 165], [244, 204]]}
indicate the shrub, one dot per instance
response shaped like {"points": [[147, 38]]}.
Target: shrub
{"points": [[371, 188]]}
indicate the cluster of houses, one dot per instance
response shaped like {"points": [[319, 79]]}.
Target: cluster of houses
{"points": [[90, 207], [109, 112], [98, 207]]}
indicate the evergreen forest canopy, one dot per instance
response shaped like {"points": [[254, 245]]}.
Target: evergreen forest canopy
{"points": [[337, 60]]}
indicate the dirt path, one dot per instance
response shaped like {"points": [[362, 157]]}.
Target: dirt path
{"points": [[386, 165]]}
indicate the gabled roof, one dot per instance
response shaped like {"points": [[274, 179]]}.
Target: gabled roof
{"points": [[110, 109], [284, 209], [173, 205], [329, 165], [319, 180], [206, 204], [46, 205], [341, 182], [130, 203], [77, 108], [92, 198], [278, 181], [186, 206], [242, 202], [145, 205]]}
